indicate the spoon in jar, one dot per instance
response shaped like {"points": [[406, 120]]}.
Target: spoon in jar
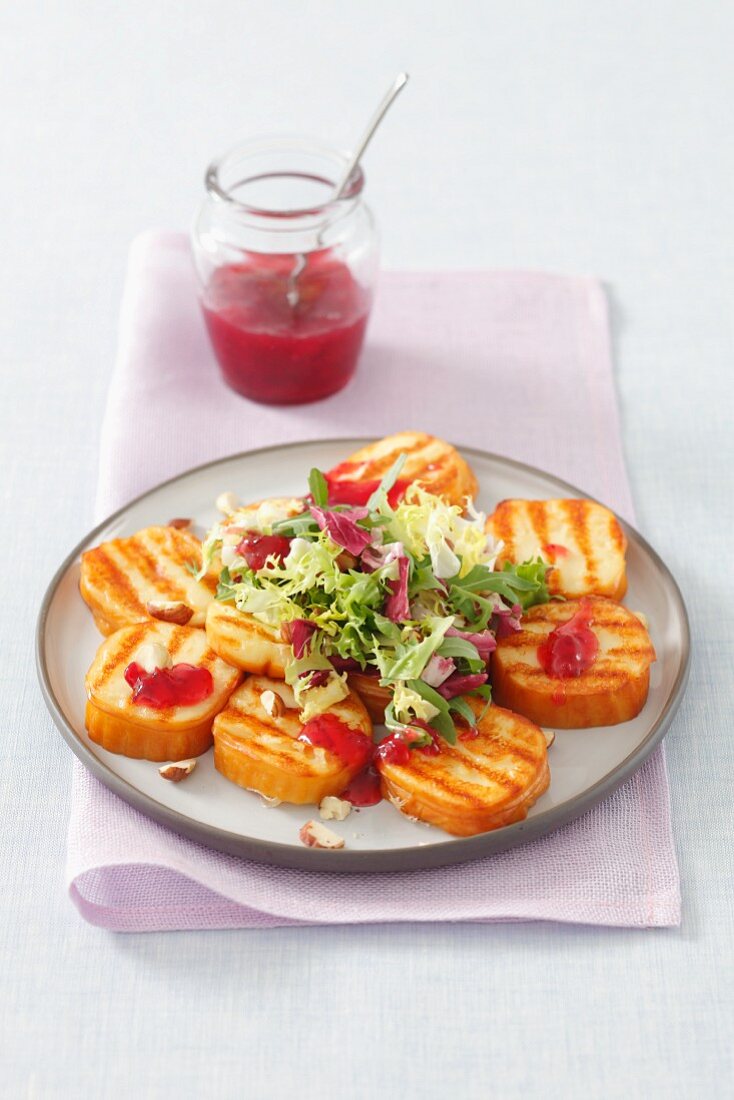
{"points": [[393, 91], [396, 87]]}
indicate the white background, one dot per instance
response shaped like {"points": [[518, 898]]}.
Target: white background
{"points": [[581, 136]]}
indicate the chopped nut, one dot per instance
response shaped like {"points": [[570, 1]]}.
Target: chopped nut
{"points": [[170, 611], [180, 523], [346, 561], [549, 737], [272, 704], [334, 809], [227, 503], [315, 835], [153, 655], [178, 771]]}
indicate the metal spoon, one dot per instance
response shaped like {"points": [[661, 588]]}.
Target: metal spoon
{"points": [[397, 86], [292, 294]]}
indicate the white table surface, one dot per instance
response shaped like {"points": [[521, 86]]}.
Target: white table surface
{"points": [[570, 135]]}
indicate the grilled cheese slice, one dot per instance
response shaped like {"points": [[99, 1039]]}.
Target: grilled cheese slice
{"points": [[245, 642], [612, 690], [475, 785], [120, 577], [581, 540], [433, 463], [256, 745], [120, 725]]}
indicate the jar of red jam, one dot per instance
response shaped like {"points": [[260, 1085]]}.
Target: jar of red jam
{"points": [[286, 271]]}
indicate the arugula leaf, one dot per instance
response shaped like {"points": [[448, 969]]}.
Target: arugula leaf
{"points": [[457, 705], [319, 488], [442, 722], [532, 573], [460, 649], [296, 526], [378, 501], [225, 588]]}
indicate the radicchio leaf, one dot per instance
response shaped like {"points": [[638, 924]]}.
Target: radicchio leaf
{"points": [[397, 607], [342, 528], [299, 633], [347, 664], [437, 670], [461, 685], [506, 620], [316, 677]]}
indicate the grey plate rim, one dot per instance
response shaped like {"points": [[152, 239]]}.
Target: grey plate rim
{"points": [[458, 850]]}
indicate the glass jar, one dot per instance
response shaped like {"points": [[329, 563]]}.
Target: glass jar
{"points": [[286, 272]]}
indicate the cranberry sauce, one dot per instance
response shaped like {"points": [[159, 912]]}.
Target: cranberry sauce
{"points": [[180, 686], [393, 750], [256, 548], [570, 649], [353, 747], [364, 790], [554, 551], [283, 338], [343, 489]]}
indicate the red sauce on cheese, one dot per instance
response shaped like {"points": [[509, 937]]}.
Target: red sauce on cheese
{"points": [[180, 686], [256, 548], [326, 731], [393, 750], [364, 789], [344, 489], [554, 551], [570, 649]]}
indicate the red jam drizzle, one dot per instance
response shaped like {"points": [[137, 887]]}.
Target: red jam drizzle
{"points": [[180, 686], [364, 789], [326, 731], [393, 750], [256, 548], [469, 734], [570, 649], [279, 347], [554, 551], [343, 489]]}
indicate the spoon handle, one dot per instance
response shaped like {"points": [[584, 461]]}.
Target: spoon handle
{"points": [[398, 84]]}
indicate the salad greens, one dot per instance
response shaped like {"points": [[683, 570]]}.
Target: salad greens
{"points": [[408, 593]]}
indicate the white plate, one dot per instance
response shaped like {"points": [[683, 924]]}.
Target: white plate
{"points": [[586, 765]]}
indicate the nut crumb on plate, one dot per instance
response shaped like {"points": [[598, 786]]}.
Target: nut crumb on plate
{"points": [[334, 809], [177, 771], [315, 835]]}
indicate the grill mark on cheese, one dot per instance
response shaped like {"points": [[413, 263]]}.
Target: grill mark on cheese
{"points": [[491, 774], [99, 561], [149, 568], [538, 517], [119, 653], [504, 529], [458, 786], [578, 517]]}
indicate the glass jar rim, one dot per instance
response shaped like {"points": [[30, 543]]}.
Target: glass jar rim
{"points": [[283, 143]]}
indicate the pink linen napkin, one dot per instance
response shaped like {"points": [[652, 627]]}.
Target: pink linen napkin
{"points": [[517, 363]]}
